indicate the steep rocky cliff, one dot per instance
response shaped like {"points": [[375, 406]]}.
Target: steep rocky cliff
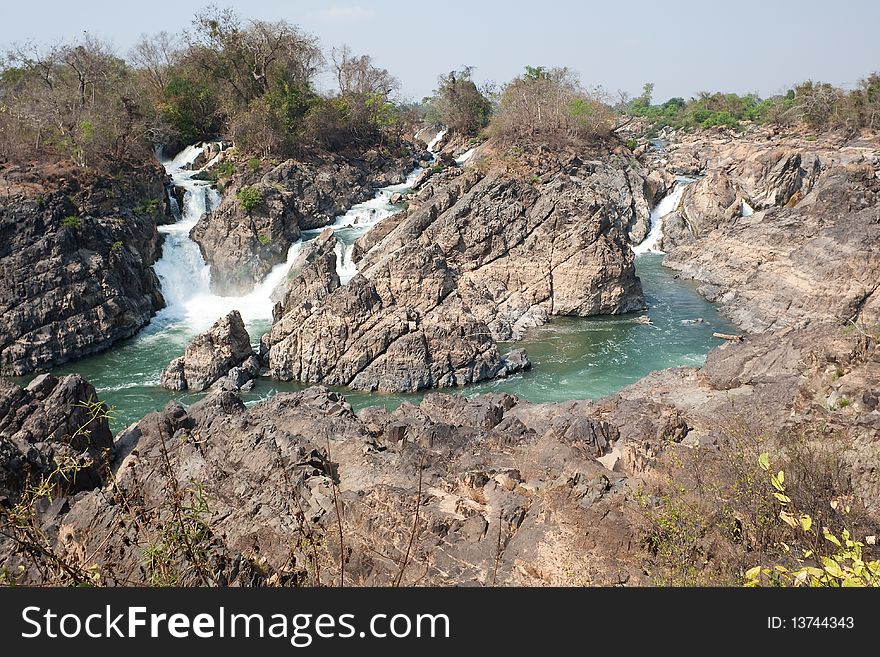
{"points": [[809, 252], [75, 263]]}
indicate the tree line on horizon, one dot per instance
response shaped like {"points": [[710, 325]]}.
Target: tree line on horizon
{"points": [[255, 82]]}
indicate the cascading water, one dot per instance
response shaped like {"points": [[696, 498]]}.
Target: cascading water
{"points": [[574, 359], [746, 210], [184, 274], [668, 205], [360, 218]]}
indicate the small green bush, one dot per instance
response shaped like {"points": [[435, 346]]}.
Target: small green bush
{"points": [[73, 222], [115, 246], [632, 144], [265, 239], [226, 168], [249, 198], [254, 164]]}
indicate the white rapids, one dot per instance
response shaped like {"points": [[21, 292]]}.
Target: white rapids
{"points": [[665, 207], [360, 218], [183, 272]]}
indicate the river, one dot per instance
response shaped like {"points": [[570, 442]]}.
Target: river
{"points": [[573, 358]]}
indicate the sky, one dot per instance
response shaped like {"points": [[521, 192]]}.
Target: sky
{"points": [[682, 46]]}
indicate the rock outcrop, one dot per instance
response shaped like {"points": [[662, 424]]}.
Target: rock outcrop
{"points": [[478, 258], [51, 429], [213, 355], [808, 254], [241, 246], [75, 263]]}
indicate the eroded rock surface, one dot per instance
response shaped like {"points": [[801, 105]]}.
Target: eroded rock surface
{"points": [[212, 355], [75, 264]]}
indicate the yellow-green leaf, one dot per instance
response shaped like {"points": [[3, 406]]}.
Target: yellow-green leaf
{"points": [[785, 499], [764, 461], [806, 522], [831, 537], [787, 518], [753, 573], [832, 567]]}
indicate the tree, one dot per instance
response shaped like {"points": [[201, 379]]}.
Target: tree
{"points": [[550, 106], [78, 100], [459, 104]]}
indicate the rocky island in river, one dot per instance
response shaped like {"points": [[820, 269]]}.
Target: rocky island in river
{"points": [[299, 291]]}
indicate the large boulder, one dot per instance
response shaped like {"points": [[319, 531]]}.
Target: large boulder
{"points": [[814, 260], [210, 356]]}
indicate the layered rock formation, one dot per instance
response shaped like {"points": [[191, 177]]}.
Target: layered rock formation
{"points": [[48, 429], [477, 258], [808, 254], [75, 263], [241, 246], [505, 492], [212, 355]]}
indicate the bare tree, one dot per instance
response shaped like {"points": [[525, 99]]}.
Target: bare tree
{"points": [[157, 56]]}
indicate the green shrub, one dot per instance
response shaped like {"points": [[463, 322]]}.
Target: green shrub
{"points": [[249, 198], [265, 239], [115, 246], [226, 168], [254, 164], [71, 221], [632, 144]]}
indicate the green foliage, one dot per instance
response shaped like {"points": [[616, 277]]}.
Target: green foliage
{"points": [[72, 222], [254, 164], [674, 539], [189, 105], [147, 207], [842, 566], [632, 144], [550, 107], [249, 198], [115, 246], [225, 168], [817, 104], [458, 103], [265, 239]]}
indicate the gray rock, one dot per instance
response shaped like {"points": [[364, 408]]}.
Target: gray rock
{"points": [[71, 291], [211, 356]]}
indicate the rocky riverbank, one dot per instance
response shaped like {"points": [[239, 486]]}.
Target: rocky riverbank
{"points": [[75, 262], [655, 484]]}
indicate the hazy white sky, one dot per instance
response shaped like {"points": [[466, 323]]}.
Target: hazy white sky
{"points": [[683, 46]]}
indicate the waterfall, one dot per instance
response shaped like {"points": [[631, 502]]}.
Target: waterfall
{"points": [[436, 140], [668, 205], [746, 210], [361, 217], [464, 157], [183, 272]]}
